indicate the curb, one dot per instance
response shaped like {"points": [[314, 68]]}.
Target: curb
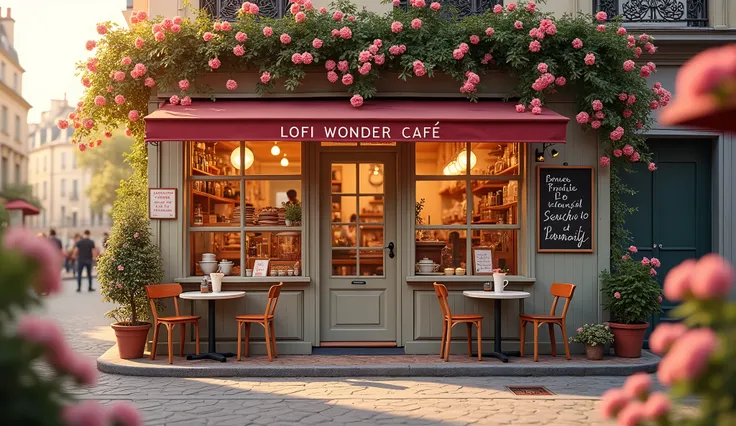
{"points": [[132, 368]]}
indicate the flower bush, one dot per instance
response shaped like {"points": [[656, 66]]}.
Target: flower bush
{"points": [[131, 261], [698, 353], [593, 335], [37, 366], [630, 293]]}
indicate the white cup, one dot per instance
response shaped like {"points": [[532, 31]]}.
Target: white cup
{"points": [[216, 281], [499, 283], [248, 272]]}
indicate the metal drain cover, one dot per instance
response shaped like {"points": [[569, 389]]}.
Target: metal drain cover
{"points": [[530, 390]]}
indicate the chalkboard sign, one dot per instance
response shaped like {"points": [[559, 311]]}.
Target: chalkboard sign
{"points": [[565, 209]]}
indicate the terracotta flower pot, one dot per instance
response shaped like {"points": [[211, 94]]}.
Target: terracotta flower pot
{"points": [[628, 339], [594, 353], [131, 339]]}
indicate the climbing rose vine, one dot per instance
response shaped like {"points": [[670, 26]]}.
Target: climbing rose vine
{"points": [[604, 66]]}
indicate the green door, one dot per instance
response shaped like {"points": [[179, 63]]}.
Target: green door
{"points": [[673, 217]]}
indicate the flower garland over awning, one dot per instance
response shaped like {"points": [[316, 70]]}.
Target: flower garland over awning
{"points": [[600, 60]]}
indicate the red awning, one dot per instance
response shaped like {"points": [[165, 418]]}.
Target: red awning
{"points": [[27, 208], [336, 120]]}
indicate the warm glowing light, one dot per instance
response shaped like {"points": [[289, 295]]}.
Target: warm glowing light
{"points": [[275, 150], [235, 158], [462, 160], [452, 168], [284, 161], [376, 170]]}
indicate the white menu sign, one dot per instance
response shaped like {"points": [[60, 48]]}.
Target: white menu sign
{"points": [[483, 261], [162, 203], [260, 268]]}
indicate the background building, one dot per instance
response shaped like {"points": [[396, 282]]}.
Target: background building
{"points": [[13, 108], [57, 181]]}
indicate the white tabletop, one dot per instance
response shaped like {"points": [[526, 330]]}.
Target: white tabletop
{"points": [[197, 295], [493, 295]]}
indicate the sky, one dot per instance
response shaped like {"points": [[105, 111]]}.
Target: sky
{"points": [[49, 38]]}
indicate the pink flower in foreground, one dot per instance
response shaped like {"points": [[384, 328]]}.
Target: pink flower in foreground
{"points": [[677, 282], [589, 59], [689, 356], [347, 79], [300, 17], [85, 413], [186, 101], [657, 406], [714, 278], [124, 414], [295, 8], [416, 23], [332, 76], [582, 117], [605, 161], [435, 6], [337, 16], [652, 167], [520, 108], [214, 63], [629, 65], [231, 85], [535, 46], [330, 65], [267, 31], [184, 84], [577, 43], [265, 77], [42, 251], [597, 105], [474, 39], [285, 38], [617, 295], [208, 36], [149, 82], [174, 100], [595, 124], [343, 66], [239, 50], [665, 335], [317, 43], [133, 115], [632, 414], [633, 249], [518, 25], [90, 45], [637, 385], [346, 33], [601, 16], [356, 101], [241, 37], [100, 100]]}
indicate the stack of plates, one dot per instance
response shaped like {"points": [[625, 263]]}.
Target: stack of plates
{"points": [[268, 217], [236, 215], [282, 216], [250, 213]]}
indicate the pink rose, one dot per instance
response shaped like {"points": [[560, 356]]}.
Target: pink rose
{"points": [[633, 249], [635, 157], [174, 100], [294, 8], [86, 82], [330, 65], [617, 295], [265, 77], [601, 28], [531, 7], [474, 39], [365, 68], [621, 31], [101, 29], [208, 36], [308, 5], [379, 59], [267, 31], [665, 335], [149, 82], [617, 133], [62, 124], [364, 56], [435, 6], [535, 46], [337, 16], [121, 268], [332, 76], [497, 9], [186, 101], [577, 43], [605, 161], [657, 406], [239, 50], [714, 278], [416, 23], [595, 124], [627, 113], [343, 66], [356, 101], [323, 10], [511, 7], [184, 84], [597, 105], [652, 167], [418, 4], [589, 59], [490, 31], [119, 76], [629, 65], [241, 37], [316, 43], [176, 28], [677, 281], [601, 16], [536, 110], [133, 115], [307, 58], [631, 100], [285, 38], [214, 63], [560, 81], [231, 85], [347, 79], [464, 48], [100, 100], [582, 117], [82, 147], [542, 67], [520, 108], [90, 45], [518, 25], [296, 58], [139, 43], [645, 261], [419, 69], [346, 33], [458, 54], [126, 60], [688, 357]]}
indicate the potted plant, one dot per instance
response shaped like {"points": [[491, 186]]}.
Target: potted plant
{"points": [[292, 213], [130, 262], [632, 296], [594, 337]]}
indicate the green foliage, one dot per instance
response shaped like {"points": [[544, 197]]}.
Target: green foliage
{"points": [[20, 192], [639, 294], [108, 168], [418, 207], [130, 247], [293, 212], [593, 335], [620, 236]]}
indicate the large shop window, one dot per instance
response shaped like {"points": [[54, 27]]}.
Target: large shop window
{"points": [[467, 197], [245, 204]]}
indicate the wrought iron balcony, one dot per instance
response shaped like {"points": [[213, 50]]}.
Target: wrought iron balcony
{"points": [[227, 10], [659, 13], [463, 7]]}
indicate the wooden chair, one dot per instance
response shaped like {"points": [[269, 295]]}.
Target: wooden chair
{"points": [[557, 290], [449, 320], [163, 291], [265, 320]]}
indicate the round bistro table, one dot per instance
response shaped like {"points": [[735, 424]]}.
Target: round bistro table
{"points": [[497, 298], [211, 298]]}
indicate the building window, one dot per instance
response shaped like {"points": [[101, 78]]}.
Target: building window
{"points": [[75, 188], [74, 162], [45, 187], [4, 172], [15, 81], [17, 174], [63, 187], [43, 136], [2, 71], [237, 198], [75, 219], [469, 197], [63, 161], [63, 216], [17, 128], [4, 120], [228, 9]]}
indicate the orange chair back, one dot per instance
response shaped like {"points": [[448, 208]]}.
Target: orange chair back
{"points": [[560, 290], [163, 291], [441, 292], [273, 298]]}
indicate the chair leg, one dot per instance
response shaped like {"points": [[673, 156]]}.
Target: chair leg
{"points": [[480, 338], [170, 329], [273, 340], [444, 336], [182, 336], [536, 341], [240, 338], [247, 338], [469, 326], [155, 341], [447, 342], [268, 341], [196, 337], [522, 329], [564, 340], [552, 338]]}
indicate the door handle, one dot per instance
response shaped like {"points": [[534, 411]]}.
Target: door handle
{"points": [[660, 246], [390, 248]]}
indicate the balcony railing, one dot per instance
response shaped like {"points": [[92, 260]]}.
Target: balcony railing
{"points": [[659, 13], [227, 10]]}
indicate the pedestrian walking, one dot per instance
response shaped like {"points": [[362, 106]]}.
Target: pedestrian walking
{"points": [[56, 242], [85, 253], [70, 263]]}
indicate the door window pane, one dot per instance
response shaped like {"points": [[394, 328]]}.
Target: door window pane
{"points": [[371, 209], [344, 263], [371, 235], [371, 178], [344, 236], [273, 158], [371, 263], [215, 158], [344, 178], [344, 208]]}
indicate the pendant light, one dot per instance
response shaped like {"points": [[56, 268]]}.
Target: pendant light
{"points": [[275, 150], [462, 160], [235, 158], [284, 161]]}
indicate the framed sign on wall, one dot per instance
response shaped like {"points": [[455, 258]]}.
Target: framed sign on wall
{"points": [[482, 261], [162, 203], [565, 209]]}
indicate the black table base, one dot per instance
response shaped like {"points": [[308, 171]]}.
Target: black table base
{"points": [[497, 352], [211, 349]]}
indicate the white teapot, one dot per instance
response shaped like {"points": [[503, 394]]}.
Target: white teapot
{"points": [[427, 266]]}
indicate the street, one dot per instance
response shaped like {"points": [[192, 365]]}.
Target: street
{"points": [[354, 401]]}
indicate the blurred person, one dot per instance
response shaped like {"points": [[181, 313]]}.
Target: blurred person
{"points": [[291, 194], [56, 242], [70, 264], [85, 253]]}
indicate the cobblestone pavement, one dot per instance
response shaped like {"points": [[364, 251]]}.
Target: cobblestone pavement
{"points": [[315, 401]]}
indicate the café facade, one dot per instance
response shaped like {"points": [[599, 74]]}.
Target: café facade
{"points": [[417, 186]]}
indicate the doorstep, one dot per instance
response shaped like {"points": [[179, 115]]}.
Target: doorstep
{"points": [[375, 366]]}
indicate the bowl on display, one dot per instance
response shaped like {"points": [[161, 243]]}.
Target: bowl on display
{"points": [[208, 267], [208, 257]]}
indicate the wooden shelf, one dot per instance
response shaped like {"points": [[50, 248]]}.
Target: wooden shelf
{"points": [[456, 191], [501, 207], [201, 172], [213, 197], [508, 171]]}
